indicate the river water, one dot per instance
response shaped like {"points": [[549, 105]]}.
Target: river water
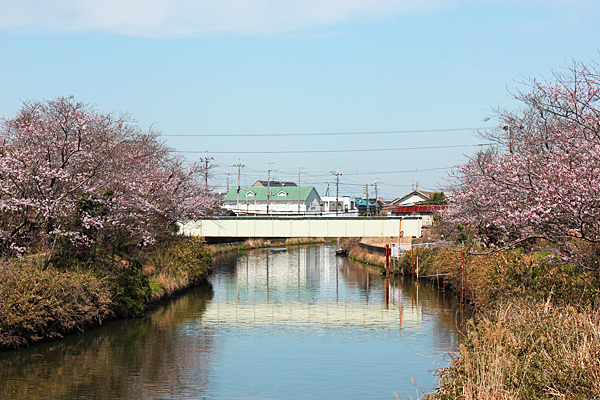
{"points": [[296, 323]]}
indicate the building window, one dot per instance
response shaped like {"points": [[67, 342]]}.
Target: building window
{"points": [[334, 207], [249, 194]]}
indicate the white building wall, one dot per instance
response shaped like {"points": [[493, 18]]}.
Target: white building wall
{"points": [[347, 202], [277, 206]]}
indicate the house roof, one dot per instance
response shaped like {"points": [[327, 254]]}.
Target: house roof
{"points": [[422, 193], [416, 209], [361, 202], [261, 183], [278, 193]]}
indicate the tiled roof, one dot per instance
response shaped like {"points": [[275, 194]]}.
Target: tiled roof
{"points": [[416, 209], [260, 183]]}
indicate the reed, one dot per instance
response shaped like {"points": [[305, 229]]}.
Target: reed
{"points": [[177, 265], [527, 350], [358, 253], [536, 333]]}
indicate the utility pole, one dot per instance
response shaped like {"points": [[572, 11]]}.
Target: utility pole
{"points": [[337, 191], [367, 197], [375, 184], [299, 173], [227, 181], [206, 160], [268, 185], [237, 206]]}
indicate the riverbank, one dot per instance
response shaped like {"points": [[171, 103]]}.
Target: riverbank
{"points": [[536, 329], [371, 253], [220, 336], [41, 300], [536, 333], [262, 243]]}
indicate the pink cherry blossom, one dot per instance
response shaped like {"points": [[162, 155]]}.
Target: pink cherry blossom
{"points": [[541, 178], [70, 173]]}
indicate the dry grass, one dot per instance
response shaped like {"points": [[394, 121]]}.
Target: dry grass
{"points": [[504, 276], [261, 243], [303, 241], [37, 303], [357, 253], [527, 350], [537, 334], [177, 265]]}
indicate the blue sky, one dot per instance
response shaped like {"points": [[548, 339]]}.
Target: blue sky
{"points": [[429, 70]]}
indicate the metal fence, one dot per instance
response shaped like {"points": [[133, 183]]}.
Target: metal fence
{"points": [[399, 249]]}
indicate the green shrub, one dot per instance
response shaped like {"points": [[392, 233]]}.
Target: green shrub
{"points": [[130, 287]]}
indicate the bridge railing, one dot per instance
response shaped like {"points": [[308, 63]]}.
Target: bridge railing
{"points": [[303, 227]]}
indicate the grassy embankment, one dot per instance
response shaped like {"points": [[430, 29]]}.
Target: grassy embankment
{"points": [[536, 333], [360, 254], [43, 300]]}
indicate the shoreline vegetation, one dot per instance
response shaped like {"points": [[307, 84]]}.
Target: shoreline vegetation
{"points": [[535, 333], [250, 244], [41, 300], [536, 326]]}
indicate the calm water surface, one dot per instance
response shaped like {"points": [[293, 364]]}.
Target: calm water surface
{"points": [[299, 323]]}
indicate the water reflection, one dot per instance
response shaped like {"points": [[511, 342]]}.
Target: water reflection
{"points": [[384, 331], [273, 323]]}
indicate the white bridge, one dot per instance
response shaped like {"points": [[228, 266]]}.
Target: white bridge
{"points": [[290, 227]]}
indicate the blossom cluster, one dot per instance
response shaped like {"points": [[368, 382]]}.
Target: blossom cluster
{"points": [[68, 171], [541, 179]]}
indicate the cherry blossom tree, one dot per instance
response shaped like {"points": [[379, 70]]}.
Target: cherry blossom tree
{"points": [[541, 178], [73, 177]]}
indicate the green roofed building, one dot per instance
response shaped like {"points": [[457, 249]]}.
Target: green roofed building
{"points": [[282, 200]]}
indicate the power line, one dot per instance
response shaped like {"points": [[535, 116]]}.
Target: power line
{"points": [[335, 151], [325, 133], [400, 172]]}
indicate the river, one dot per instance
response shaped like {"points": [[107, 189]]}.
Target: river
{"points": [[295, 323]]}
